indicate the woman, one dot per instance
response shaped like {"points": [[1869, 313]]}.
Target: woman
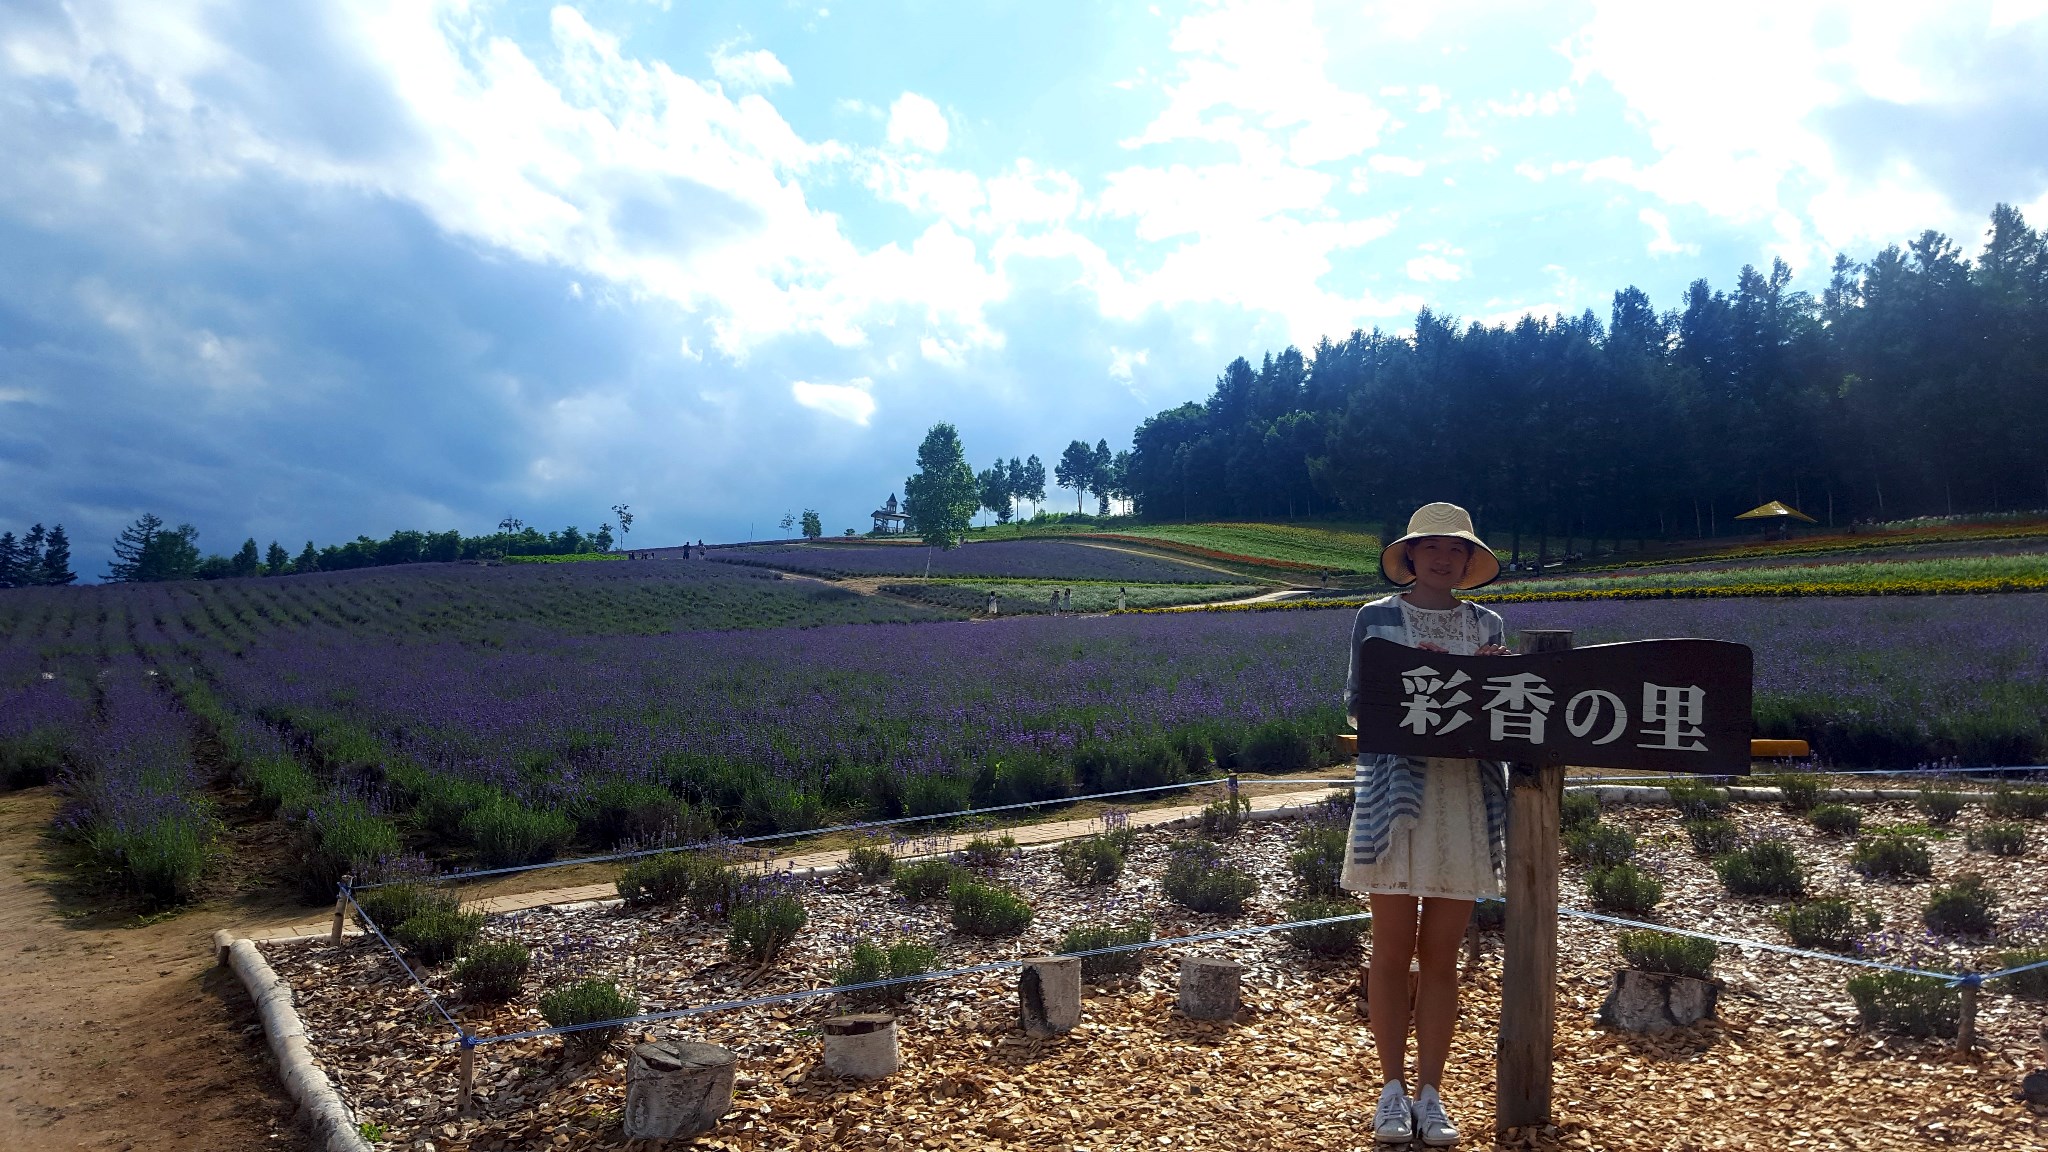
{"points": [[1426, 835]]}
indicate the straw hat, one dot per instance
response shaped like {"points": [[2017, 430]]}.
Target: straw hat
{"points": [[1440, 520]]}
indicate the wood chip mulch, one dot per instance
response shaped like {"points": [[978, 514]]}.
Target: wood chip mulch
{"points": [[1785, 1065]]}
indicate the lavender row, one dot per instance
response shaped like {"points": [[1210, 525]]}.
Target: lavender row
{"points": [[1014, 559]]}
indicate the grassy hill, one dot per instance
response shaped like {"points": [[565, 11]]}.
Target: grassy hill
{"points": [[1301, 548]]}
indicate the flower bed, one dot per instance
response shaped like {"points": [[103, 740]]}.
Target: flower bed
{"points": [[1026, 559]]}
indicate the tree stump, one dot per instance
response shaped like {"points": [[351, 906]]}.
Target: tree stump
{"points": [[1208, 987], [1657, 1001], [862, 1046], [1049, 995], [677, 1088]]}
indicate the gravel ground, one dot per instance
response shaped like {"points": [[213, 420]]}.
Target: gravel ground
{"points": [[1785, 1063]]}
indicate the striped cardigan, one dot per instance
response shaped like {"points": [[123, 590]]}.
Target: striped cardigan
{"points": [[1387, 793]]}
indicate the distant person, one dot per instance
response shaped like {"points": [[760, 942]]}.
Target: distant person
{"points": [[686, 549], [1119, 599], [1055, 601], [992, 607], [1067, 600]]}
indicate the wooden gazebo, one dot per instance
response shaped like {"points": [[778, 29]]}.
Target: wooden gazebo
{"points": [[1778, 512], [889, 518]]}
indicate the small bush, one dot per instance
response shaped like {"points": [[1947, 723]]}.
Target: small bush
{"points": [[761, 928], [1600, 845], [1196, 878], [1765, 868], [1697, 800], [1318, 858], [1797, 791], [1940, 805], [1489, 915], [652, 880], [924, 880], [492, 971], [1892, 856], [1225, 817], [1624, 889], [2017, 803], [2031, 985], [982, 852], [1108, 936], [1712, 837], [587, 1002], [506, 832], [1903, 1003], [434, 935], [1326, 939], [871, 960], [390, 905], [341, 836], [1577, 810], [1960, 909], [1090, 860], [1648, 950], [935, 795], [986, 910], [1998, 839], [871, 861], [1828, 922], [1836, 819]]}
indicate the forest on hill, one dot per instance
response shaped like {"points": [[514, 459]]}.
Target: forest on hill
{"points": [[1915, 384]]}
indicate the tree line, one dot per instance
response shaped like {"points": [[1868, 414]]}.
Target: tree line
{"points": [[37, 559], [1915, 384]]}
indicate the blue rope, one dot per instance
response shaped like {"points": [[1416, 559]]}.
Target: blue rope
{"points": [[2004, 972], [460, 1033]]}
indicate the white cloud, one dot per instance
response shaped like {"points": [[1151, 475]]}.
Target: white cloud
{"points": [[758, 70], [1533, 104], [1121, 362], [852, 403], [1661, 243], [1432, 267], [916, 122], [1398, 165]]}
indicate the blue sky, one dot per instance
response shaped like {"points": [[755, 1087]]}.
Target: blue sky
{"points": [[299, 270]]}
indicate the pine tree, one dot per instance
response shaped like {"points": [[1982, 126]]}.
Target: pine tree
{"points": [[132, 549], [28, 561], [248, 561], [10, 561], [56, 570], [941, 499], [308, 561], [276, 561]]}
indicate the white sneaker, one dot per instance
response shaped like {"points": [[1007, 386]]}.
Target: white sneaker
{"points": [[1437, 1131], [1393, 1122]]}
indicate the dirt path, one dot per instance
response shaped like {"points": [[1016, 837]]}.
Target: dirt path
{"points": [[119, 1036]]}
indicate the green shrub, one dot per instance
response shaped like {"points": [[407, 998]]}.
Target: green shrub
{"points": [[1577, 810], [1196, 878], [1090, 860], [1624, 890], [986, 910], [870, 960], [281, 783], [443, 801], [341, 836], [1697, 800], [1940, 805], [1318, 858], [1108, 936], [871, 861], [507, 833], [1797, 791], [1599, 845], [1712, 837], [758, 929], [2008, 803], [1892, 856], [587, 1002], [389, 905], [1276, 746], [2030, 985], [935, 795], [1765, 868], [924, 880], [1829, 922], [1225, 817], [982, 852], [166, 858], [1903, 1003], [1998, 839], [1648, 950], [709, 884], [434, 934], [31, 760], [1960, 909], [492, 971], [1326, 939], [1836, 819]]}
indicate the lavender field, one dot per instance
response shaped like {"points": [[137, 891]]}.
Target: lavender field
{"points": [[440, 717], [1012, 559]]}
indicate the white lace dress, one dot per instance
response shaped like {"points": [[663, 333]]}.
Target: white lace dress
{"points": [[1445, 854]]}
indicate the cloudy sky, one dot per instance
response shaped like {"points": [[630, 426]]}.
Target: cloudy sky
{"points": [[315, 269]]}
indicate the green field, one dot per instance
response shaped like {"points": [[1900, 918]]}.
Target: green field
{"points": [[1308, 548], [2022, 573]]}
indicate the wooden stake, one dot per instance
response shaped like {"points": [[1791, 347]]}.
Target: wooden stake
{"points": [[340, 908], [1966, 1027], [1528, 985], [465, 1091]]}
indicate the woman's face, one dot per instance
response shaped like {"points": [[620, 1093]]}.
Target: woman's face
{"points": [[1439, 561]]}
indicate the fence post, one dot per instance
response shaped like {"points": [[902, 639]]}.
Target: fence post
{"points": [[1528, 978], [340, 907], [465, 1090], [1966, 1025], [1233, 793]]}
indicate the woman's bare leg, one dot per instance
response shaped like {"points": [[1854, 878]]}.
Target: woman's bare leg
{"points": [[1436, 993], [1386, 979]]}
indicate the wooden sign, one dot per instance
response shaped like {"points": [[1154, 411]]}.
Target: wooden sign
{"points": [[1653, 705]]}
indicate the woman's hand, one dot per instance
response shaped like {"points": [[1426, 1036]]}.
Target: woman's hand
{"points": [[1426, 646], [1493, 650]]}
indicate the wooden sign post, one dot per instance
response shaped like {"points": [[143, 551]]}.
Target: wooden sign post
{"points": [[1657, 705]]}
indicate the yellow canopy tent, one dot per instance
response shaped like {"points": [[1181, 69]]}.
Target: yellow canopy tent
{"points": [[1778, 511]]}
